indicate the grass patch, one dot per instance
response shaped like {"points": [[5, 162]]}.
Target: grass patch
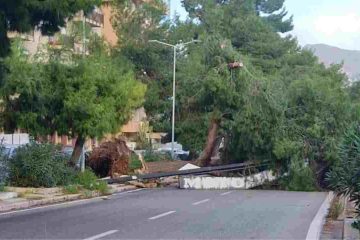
{"points": [[71, 189], [89, 181], [336, 208]]}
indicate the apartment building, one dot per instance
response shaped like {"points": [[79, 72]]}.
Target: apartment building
{"points": [[100, 22]]}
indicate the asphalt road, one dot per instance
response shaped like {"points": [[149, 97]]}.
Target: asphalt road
{"points": [[171, 214]]}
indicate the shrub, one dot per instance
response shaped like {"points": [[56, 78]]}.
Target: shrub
{"points": [[151, 156], [2, 187], [89, 181], [134, 162], [39, 165], [71, 189], [344, 176], [336, 209], [4, 166], [300, 178]]}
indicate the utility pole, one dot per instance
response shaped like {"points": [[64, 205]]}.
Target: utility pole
{"points": [[175, 48], [84, 35], [82, 156], [169, 6]]}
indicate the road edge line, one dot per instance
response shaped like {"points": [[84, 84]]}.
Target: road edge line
{"points": [[317, 223]]}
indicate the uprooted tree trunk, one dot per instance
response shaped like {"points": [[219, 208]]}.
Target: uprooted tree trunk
{"points": [[110, 158], [205, 157], [79, 144]]}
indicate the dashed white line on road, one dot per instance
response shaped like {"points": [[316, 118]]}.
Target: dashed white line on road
{"points": [[102, 235], [200, 202], [226, 193], [162, 215]]}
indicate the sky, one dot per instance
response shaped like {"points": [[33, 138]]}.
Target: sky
{"points": [[332, 22]]}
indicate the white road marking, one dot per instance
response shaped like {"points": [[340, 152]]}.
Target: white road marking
{"points": [[64, 203], [317, 223], [162, 215], [102, 235], [226, 193], [200, 202]]}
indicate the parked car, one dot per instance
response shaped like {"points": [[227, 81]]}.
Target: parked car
{"points": [[68, 150]]}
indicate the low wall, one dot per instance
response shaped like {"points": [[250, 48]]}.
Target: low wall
{"points": [[14, 139], [206, 182]]}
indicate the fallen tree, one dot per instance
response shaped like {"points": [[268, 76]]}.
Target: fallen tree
{"points": [[111, 158]]}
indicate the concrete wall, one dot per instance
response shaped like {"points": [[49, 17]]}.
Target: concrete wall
{"points": [[14, 139], [206, 182]]}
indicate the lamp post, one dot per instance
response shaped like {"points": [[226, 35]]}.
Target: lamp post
{"points": [[175, 48]]}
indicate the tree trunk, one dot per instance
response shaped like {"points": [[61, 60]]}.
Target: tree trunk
{"points": [[79, 144], [205, 156]]}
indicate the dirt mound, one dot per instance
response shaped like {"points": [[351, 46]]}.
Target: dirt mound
{"points": [[110, 158]]}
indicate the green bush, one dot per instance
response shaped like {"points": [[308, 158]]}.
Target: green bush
{"points": [[39, 165], [2, 187], [134, 162], [300, 178], [4, 166], [344, 176], [89, 181], [71, 189], [151, 156]]}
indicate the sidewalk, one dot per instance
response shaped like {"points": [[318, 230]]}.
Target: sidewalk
{"points": [[22, 198]]}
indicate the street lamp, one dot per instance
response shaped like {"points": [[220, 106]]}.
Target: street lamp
{"points": [[175, 47]]}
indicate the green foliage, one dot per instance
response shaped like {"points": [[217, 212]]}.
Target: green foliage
{"points": [[89, 181], [281, 106], [345, 174], [39, 165], [4, 166], [71, 189], [2, 187], [356, 225], [152, 156], [48, 16], [300, 178], [83, 97], [134, 162]]}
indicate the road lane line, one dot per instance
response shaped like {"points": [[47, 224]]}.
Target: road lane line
{"points": [[200, 202], [226, 193], [162, 215], [102, 235]]}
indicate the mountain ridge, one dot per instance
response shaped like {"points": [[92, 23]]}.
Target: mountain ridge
{"points": [[334, 55]]}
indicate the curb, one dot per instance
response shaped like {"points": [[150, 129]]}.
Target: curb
{"points": [[58, 199], [317, 223]]}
